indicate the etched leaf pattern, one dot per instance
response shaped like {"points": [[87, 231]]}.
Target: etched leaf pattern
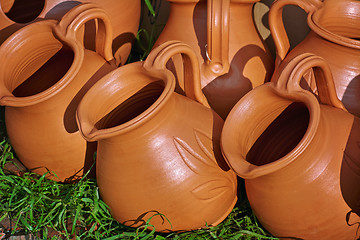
{"points": [[205, 143], [191, 158], [205, 164], [213, 189]]}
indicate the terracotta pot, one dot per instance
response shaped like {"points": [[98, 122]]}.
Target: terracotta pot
{"points": [[299, 156], [334, 35], [15, 14], [45, 71], [158, 152], [231, 53]]}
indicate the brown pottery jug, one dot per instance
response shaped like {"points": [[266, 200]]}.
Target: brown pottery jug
{"points": [[159, 154], [334, 35], [299, 155], [124, 16], [44, 73], [232, 55]]}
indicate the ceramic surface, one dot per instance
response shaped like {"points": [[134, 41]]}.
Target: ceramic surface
{"points": [[334, 35], [124, 16], [232, 56], [158, 152], [299, 155], [45, 72]]}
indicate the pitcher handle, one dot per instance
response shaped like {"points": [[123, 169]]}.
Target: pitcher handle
{"points": [[217, 48], [67, 29], [159, 56], [292, 74], [276, 23]]}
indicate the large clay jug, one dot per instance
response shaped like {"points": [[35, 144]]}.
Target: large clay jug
{"points": [[159, 154], [232, 55], [299, 155], [124, 16], [334, 35], [44, 73]]}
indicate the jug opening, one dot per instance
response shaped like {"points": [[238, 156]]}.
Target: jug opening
{"points": [[133, 106], [22, 11], [47, 74], [281, 136]]}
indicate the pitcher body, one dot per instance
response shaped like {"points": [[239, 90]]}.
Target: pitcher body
{"points": [[307, 199], [294, 152], [160, 148], [334, 36], [43, 79], [227, 44]]}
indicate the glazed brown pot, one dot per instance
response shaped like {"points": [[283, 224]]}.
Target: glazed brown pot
{"points": [[334, 35], [45, 71], [159, 154], [299, 156], [231, 53], [124, 16]]}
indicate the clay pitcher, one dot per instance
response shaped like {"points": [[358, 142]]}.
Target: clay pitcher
{"points": [[334, 35], [159, 156], [232, 55], [124, 16], [45, 71], [299, 155]]}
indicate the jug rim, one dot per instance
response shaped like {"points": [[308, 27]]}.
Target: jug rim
{"points": [[5, 20], [329, 35], [23, 36], [236, 158], [87, 126]]}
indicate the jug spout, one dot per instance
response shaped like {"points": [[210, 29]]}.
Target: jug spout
{"points": [[127, 101], [5, 95]]}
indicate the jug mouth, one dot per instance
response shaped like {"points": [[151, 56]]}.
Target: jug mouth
{"points": [[130, 97], [268, 130], [337, 25], [23, 13], [38, 65]]}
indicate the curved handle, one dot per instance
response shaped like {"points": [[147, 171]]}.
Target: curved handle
{"points": [[290, 78], [73, 20], [217, 49], [276, 24], [159, 56]]}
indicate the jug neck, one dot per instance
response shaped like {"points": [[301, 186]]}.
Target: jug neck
{"points": [[130, 103], [333, 23], [37, 46], [37, 65], [280, 132]]}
